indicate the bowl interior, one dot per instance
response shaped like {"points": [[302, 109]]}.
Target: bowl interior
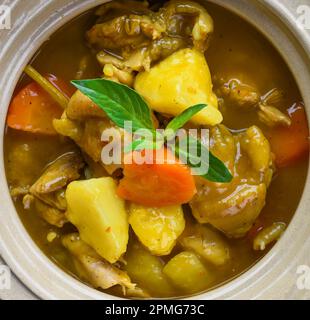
{"points": [[45, 279]]}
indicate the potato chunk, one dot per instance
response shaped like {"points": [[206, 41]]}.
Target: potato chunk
{"points": [[147, 271], [188, 273], [100, 216], [208, 244], [178, 82], [157, 228]]}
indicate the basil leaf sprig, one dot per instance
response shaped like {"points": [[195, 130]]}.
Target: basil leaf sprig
{"points": [[121, 104], [217, 172]]}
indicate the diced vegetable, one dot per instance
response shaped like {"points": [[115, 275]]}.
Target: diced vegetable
{"points": [[186, 82], [157, 228], [33, 109], [188, 273], [99, 215], [165, 182], [268, 235], [146, 270], [208, 244], [289, 144]]}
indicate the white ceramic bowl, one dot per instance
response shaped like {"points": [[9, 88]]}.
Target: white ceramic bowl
{"points": [[274, 277]]}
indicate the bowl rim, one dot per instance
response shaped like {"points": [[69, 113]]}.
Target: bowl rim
{"points": [[46, 279]]}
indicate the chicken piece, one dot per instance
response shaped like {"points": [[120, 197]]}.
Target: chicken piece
{"points": [[237, 93], [142, 58], [87, 135], [92, 267], [274, 97], [203, 24], [80, 107], [234, 214], [112, 73], [131, 40], [268, 112], [272, 116], [50, 186], [15, 192], [51, 215], [233, 207], [127, 30]]}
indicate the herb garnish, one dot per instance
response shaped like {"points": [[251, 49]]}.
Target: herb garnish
{"points": [[121, 103]]}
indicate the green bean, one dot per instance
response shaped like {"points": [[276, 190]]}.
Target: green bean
{"points": [[268, 235]]}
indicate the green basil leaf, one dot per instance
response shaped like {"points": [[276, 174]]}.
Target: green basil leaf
{"points": [[180, 120], [142, 144], [120, 102], [217, 171]]}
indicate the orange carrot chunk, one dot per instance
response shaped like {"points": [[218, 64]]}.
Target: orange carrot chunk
{"points": [[290, 144], [165, 182], [33, 109]]}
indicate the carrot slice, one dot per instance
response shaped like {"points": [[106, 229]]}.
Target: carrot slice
{"points": [[33, 109], [291, 144], [165, 182]]}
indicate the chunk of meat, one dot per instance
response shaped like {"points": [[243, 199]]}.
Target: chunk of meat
{"points": [[87, 135], [81, 107], [233, 208], [126, 30], [203, 23], [269, 112], [123, 69], [272, 116], [131, 40], [235, 213], [92, 267], [50, 186], [237, 93], [51, 215], [58, 174]]}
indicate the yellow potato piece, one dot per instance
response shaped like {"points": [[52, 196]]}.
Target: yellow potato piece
{"points": [[157, 228], [99, 215], [208, 244], [179, 82], [187, 272], [147, 271]]}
